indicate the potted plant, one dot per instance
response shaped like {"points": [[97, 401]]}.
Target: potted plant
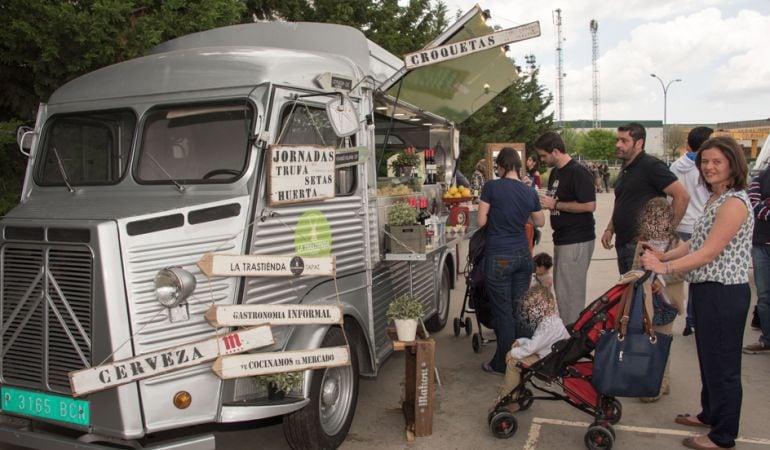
{"points": [[279, 384], [405, 311], [403, 234], [405, 162]]}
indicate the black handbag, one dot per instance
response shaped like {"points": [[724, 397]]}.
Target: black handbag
{"points": [[630, 359]]}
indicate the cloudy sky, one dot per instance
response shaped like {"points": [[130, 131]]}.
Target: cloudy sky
{"points": [[719, 48]]}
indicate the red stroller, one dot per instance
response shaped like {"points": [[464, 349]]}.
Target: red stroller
{"points": [[569, 366]]}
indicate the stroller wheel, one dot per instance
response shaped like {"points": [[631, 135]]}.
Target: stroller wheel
{"points": [[456, 325], [503, 425], [476, 342], [468, 326], [525, 400], [613, 411], [599, 438]]}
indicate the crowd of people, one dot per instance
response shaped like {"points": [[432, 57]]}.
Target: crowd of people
{"points": [[698, 221]]}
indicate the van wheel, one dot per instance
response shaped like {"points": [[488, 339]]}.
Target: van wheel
{"points": [[325, 421], [439, 320]]}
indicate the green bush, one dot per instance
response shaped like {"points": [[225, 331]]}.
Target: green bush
{"points": [[401, 214]]}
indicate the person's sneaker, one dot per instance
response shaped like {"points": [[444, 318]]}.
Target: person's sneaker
{"points": [[687, 330], [757, 347]]}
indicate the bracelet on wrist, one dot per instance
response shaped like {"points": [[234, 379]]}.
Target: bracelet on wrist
{"points": [[556, 205], [668, 268]]}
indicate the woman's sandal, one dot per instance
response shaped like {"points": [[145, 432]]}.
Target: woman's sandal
{"points": [[690, 421]]}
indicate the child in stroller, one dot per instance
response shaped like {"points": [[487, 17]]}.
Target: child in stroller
{"points": [[538, 311], [569, 366]]}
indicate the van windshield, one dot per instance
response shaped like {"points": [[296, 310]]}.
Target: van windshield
{"points": [[87, 148], [195, 144]]}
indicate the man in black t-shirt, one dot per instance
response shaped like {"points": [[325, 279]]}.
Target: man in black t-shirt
{"points": [[642, 177], [571, 198]]}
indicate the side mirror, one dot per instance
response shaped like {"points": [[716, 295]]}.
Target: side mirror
{"points": [[343, 116], [24, 136]]}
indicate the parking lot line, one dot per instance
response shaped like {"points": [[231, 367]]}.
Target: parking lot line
{"points": [[538, 422]]}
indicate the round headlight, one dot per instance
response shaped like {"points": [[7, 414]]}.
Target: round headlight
{"points": [[173, 285]]}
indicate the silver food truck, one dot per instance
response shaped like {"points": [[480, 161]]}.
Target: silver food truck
{"points": [[139, 169]]}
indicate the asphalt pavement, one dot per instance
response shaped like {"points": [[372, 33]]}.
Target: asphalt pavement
{"points": [[466, 393]]}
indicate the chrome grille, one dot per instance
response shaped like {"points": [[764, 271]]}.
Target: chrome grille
{"points": [[46, 314]]}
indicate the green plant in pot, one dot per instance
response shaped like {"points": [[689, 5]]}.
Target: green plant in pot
{"points": [[405, 162], [401, 214], [279, 384], [405, 310]]}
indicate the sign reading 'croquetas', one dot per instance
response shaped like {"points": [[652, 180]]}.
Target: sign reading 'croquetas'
{"points": [[454, 50]]}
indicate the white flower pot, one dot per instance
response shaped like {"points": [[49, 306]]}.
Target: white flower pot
{"points": [[406, 329]]}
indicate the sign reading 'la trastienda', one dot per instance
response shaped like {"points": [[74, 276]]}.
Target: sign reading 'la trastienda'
{"points": [[300, 173]]}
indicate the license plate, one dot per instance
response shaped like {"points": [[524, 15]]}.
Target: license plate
{"points": [[46, 406]]}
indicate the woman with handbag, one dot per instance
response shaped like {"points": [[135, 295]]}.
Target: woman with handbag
{"points": [[506, 205], [716, 260]]}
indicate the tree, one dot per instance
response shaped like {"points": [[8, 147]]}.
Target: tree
{"points": [[44, 44], [524, 121], [597, 144], [676, 138], [398, 29]]}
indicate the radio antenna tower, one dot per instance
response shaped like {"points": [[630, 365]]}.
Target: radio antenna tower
{"points": [[595, 62], [559, 67]]}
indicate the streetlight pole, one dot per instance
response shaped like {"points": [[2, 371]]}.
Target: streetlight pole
{"points": [[665, 87]]}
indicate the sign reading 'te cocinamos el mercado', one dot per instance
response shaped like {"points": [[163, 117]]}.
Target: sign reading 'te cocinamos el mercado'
{"points": [[106, 376], [238, 366], [300, 173]]}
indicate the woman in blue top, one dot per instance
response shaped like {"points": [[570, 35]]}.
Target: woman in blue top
{"points": [[506, 205], [716, 260]]}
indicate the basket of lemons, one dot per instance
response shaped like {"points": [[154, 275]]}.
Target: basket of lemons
{"points": [[457, 194]]}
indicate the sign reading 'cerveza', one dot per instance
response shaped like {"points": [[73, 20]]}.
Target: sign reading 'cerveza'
{"points": [[247, 315], [238, 366], [215, 264], [300, 173], [118, 373], [457, 49]]}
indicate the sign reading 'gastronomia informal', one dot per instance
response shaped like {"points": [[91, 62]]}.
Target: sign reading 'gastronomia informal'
{"points": [[248, 315], [238, 366], [138, 368], [300, 173]]}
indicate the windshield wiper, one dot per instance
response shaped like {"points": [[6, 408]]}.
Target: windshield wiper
{"points": [[62, 172], [165, 172]]}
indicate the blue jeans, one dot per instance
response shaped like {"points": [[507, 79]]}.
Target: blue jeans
{"points": [[625, 256], [760, 254], [689, 321], [506, 279]]}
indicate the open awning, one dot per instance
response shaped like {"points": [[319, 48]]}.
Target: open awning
{"points": [[456, 88]]}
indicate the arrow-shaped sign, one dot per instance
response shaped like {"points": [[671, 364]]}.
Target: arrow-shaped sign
{"points": [[249, 315], [138, 368], [446, 52], [239, 366]]}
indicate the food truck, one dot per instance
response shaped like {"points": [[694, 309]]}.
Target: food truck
{"points": [[265, 140]]}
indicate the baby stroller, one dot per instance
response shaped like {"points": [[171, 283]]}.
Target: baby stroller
{"points": [[475, 300], [569, 366]]}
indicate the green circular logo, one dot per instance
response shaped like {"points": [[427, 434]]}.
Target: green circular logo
{"points": [[313, 237]]}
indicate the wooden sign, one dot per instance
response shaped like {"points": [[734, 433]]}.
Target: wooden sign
{"points": [[249, 315], [454, 50], [239, 366], [346, 157], [216, 264], [138, 368], [300, 173]]}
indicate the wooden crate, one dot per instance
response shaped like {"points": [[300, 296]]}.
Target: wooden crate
{"points": [[405, 239]]}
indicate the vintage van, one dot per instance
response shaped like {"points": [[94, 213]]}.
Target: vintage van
{"points": [[138, 169]]}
